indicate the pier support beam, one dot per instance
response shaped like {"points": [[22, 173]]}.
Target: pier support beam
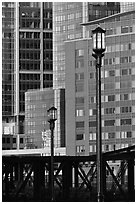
{"points": [[39, 181], [66, 179], [131, 191]]}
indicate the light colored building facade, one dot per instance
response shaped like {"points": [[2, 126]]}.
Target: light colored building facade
{"points": [[26, 59], [67, 17], [127, 6], [37, 131], [117, 88]]}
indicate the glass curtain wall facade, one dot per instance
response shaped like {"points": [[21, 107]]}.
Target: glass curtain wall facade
{"points": [[8, 73], [8, 57], [35, 44], [27, 31]]}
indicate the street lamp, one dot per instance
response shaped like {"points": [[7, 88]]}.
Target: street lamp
{"points": [[99, 49], [52, 117]]}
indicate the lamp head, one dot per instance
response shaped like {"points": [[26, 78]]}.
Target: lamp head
{"points": [[52, 114], [98, 40]]}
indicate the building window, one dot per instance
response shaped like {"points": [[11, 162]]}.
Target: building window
{"points": [[80, 148], [79, 136], [92, 75], [105, 61], [92, 136], [109, 110], [129, 134], [21, 140], [112, 73], [111, 98], [124, 72], [92, 124], [14, 140], [126, 121], [107, 147], [92, 99], [80, 112], [92, 148], [79, 76], [124, 97], [124, 29], [3, 140], [79, 58], [92, 112], [80, 124], [79, 53], [111, 135], [79, 63], [109, 122], [123, 135], [8, 140], [105, 136], [126, 109]]}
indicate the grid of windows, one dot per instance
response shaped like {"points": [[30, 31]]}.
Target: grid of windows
{"points": [[8, 55], [67, 18], [103, 9], [117, 83], [36, 125], [31, 50], [27, 81]]}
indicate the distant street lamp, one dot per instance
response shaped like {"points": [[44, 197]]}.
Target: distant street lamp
{"points": [[52, 117], [99, 49]]}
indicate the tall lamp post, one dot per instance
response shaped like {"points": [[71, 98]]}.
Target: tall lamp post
{"points": [[99, 49], [52, 117]]}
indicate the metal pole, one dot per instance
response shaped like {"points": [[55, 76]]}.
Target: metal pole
{"points": [[52, 124], [99, 130]]}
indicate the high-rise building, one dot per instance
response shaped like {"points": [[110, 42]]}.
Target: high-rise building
{"points": [[98, 10], [117, 87], [37, 131], [127, 6], [27, 40], [26, 57], [67, 19], [37, 102]]}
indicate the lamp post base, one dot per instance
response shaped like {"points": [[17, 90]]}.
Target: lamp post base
{"points": [[52, 199], [100, 197]]}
